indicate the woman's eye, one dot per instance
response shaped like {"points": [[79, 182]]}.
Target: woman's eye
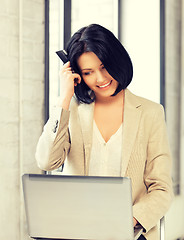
{"points": [[87, 73]]}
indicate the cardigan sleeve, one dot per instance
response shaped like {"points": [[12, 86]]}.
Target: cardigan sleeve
{"points": [[157, 176], [54, 143]]}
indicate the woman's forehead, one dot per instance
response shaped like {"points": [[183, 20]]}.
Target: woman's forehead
{"points": [[88, 60]]}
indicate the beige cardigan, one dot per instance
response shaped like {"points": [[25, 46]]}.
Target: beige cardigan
{"points": [[145, 153]]}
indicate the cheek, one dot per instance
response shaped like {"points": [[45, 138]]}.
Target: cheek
{"points": [[87, 82], [115, 83]]}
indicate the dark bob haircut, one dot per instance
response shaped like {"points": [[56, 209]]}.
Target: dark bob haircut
{"points": [[99, 40]]}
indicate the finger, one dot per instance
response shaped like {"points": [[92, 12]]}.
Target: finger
{"points": [[65, 66], [69, 69], [77, 76], [77, 79]]}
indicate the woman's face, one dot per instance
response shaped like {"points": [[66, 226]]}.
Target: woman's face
{"points": [[96, 76]]}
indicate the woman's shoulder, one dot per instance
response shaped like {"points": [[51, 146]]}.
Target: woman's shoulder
{"points": [[146, 104], [77, 106], [76, 103]]}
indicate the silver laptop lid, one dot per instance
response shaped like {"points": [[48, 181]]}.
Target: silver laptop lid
{"points": [[78, 207]]}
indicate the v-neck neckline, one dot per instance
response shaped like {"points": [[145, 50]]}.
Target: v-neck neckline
{"points": [[100, 137]]}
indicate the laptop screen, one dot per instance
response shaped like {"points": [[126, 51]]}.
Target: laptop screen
{"points": [[78, 207]]}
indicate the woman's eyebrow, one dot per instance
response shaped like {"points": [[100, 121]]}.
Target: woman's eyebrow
{"points": [[90, 68], [86, 69]]}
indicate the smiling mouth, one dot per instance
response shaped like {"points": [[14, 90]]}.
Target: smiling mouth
{"points": [[105, 85]]}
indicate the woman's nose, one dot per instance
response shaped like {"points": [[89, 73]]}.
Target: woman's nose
{"points": [[100, 77]]}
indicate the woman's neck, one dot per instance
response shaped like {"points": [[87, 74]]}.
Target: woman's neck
{"points": [[118, 99]]}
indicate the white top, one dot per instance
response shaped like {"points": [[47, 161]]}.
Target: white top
{"points": [[106, 157]]}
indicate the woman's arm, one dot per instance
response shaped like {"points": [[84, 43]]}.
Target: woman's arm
{"points": [[157, 176], [54, 143]]}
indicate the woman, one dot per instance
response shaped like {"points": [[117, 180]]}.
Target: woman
{"points": [[100, 128]]}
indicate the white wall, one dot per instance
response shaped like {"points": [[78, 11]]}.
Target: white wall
{"points": [[56, 25], [140, 34], [103, 12], [174, 111], [21, 105]]}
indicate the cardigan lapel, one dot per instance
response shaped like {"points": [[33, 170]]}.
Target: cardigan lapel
{"points": [[132, 114], [86, 112]]}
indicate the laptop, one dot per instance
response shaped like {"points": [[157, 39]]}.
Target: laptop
{"points": [[78, 207]]}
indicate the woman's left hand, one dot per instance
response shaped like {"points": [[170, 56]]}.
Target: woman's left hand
{"points": [[135, 222]]}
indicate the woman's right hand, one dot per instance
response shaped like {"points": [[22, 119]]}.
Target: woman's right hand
{"points": [[68, 80]]}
